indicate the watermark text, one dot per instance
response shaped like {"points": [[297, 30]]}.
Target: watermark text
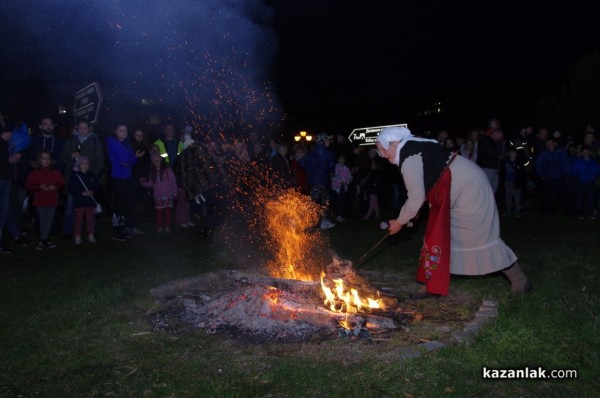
{"points": [[529, 373]]}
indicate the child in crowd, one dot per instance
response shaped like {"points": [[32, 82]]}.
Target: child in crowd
{"points": [[514, 175], [339, 184], [83, 185], [162, 180], [45, 182]]}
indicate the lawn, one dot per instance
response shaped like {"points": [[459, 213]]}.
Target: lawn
{"points": [[75, 323]]}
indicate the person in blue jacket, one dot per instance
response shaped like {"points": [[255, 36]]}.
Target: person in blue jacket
{"points": [[320, 166], [122, 159], [586, 170], [552, 167]]}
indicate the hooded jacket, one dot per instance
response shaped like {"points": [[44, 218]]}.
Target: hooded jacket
{"points": [[51, 143]]}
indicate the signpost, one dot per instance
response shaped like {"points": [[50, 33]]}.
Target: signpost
{"points": [[368, 135], [88, 101]]}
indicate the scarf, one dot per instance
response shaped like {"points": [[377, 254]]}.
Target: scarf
{"points": [[397, 134]]}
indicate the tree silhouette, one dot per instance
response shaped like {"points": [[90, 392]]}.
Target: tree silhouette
{"points": [[578, 103]]}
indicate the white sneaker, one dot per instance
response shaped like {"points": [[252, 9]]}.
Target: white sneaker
{"points": [[92, 238], [183, 225], [326, 224], [340, 219], [134, 231], [77, 240]]}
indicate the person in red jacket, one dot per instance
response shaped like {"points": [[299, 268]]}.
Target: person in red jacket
{"points": [[45, 183]]}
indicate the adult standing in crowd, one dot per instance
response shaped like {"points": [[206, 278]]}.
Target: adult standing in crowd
{"points": [[320, 165], [488, 157], [300, 176], [141, 149], [552, 167], [463, 229], [6, 163], [182, 207], [191, 171], [521, 142], [281, 166], [83, 142], [122, 159], [19, 143], [46, 140], [539, 143], [169, 147], [586, 170]]}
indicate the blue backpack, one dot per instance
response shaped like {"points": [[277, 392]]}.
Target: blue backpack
{"points": [[20, 139]]}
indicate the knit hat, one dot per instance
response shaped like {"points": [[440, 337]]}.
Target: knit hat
{"points": [[78, 162], [323, 138]]}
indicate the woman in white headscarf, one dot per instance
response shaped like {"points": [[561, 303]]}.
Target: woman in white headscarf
{"points": [[463, 231]]}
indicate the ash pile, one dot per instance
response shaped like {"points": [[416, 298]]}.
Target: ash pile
{"points": [[251, 305]]}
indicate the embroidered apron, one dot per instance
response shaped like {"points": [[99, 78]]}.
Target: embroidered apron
{"points": [[434, 262]]}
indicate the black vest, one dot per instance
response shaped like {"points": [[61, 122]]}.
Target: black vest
{"points": [[435, 156]]}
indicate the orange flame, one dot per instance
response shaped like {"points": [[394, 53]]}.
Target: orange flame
{"points": [[288, 219], [342, 299]]}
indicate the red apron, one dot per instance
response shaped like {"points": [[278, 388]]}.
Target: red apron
{"points": [[434, 263]]}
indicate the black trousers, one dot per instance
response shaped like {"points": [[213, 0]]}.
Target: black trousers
{"points": [[123, 203], [555, 189]]}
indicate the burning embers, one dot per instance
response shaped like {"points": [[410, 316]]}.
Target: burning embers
{"points": [[283, 309], [341, 292], [291, 303], [348, 294]]}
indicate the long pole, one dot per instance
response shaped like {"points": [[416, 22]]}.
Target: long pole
{"points": [[360, 260]]}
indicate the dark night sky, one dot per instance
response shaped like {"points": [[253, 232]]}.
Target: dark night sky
{"points": [[333, 65], [378, 62]]}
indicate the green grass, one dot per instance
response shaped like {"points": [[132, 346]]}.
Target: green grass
{"points": [[75, 323]]}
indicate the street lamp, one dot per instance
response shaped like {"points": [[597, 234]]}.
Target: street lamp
{"points": [[303, 136]]}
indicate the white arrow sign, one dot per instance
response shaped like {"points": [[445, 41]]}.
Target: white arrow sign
{"points": [[88, 101], [368, 135]]}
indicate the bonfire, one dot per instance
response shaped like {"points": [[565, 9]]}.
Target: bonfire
{"points": [[298, 298]]}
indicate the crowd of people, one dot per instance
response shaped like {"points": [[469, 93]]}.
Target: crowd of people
{"points": [[61, 184], [176, 180]]}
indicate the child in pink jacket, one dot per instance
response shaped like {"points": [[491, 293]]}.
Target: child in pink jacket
{"points": [[339, 185], [162, 180]]}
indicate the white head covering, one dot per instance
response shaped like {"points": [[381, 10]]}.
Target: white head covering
{"points": [[397, 134]]}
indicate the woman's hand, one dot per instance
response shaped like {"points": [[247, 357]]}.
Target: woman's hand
{"points": [[394, 227]]}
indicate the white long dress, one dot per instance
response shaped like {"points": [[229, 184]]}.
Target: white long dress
{"points": [[476, 246]]}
